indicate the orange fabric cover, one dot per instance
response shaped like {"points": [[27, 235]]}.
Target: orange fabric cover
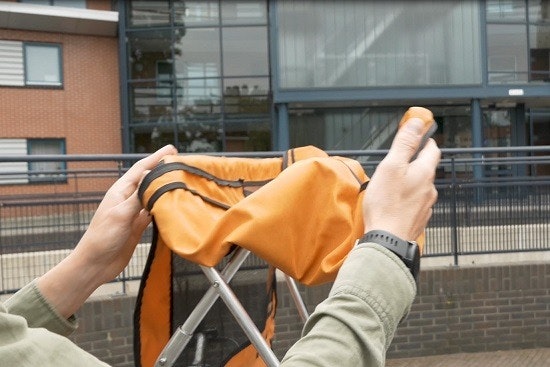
{"points": [[303, 221]]}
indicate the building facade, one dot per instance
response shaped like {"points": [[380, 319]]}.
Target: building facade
{"points": [[259, 75], [269, 75], [59, 88]]}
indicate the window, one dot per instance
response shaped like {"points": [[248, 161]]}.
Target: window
{"points": [[42, 64], [30, 64], [67, 3], [518, 45], [32, 172]]}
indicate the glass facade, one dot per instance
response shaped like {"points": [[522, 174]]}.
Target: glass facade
{"points": [[215, 75], [328, 44], [518, 41], [198, 75]]}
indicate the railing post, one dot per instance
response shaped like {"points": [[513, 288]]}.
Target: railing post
{"points": [[454, 225]]}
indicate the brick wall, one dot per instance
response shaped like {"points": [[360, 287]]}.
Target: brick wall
{"points": [[85, 111], [457, 310]]}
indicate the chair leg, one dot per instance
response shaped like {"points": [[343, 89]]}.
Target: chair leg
{"points": [[242, 317], [298, 301], [184, 333]]}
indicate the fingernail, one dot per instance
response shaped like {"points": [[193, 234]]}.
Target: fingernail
{"points": [[415, 125]]}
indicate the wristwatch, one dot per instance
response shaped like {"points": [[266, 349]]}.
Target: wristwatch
{"points": [[407, 251]]}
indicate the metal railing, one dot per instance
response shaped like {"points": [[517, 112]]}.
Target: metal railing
{"points": [[493, 200]]}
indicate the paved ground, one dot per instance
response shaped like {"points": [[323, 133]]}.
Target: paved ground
{"points": [[514, 358]]}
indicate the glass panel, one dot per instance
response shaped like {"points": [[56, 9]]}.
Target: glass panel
{"points": [[352, 128], [245, 51], [248, 136], [198, 99], [146, 49], [541, 136], [37, 2], [42, 65], [246, 96], [148, 138], [148, 13], [197, 12], [71, 3], [539, 10], [539, 53], [375, 43], [497, 133], [244, 12], [505, 10], [197, 55], [506, 52], [151, 102], [196, 137], [46, 171]]}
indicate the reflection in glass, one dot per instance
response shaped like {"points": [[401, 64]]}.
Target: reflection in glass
{"points": [[350, 128], [197, 55], [378, 43], [146, 50], [248, 136], [203, 12], [539, 10], [505, 10], [148, 138], [497, 133], [246, 96], [539, 52], [198, 98], [151, 102], [245, 51], [149, 13], [199, 137], [506, 53], [244, 12]]}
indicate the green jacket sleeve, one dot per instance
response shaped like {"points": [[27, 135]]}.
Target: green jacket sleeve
{"points": [[30, 304], [31, 334], [355, 325]]}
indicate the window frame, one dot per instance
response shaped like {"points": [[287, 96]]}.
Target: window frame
{"points": [[58, 84], [48, 178], [53, 3]]}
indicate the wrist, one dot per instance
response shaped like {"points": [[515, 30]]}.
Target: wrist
{"points": [[406, 251], [67, 285]]}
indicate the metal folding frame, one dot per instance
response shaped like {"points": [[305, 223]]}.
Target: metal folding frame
{"points": [[220, 288]]}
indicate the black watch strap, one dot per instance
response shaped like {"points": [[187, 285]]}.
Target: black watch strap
{"points": [[407, 251]]}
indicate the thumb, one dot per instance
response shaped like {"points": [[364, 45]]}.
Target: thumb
{"points": [[407, 141]]}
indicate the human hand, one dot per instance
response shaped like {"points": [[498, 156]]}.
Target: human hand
{"points": [[119, 222], [401, 193], [107, 245]]}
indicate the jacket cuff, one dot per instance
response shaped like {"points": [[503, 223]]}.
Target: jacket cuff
{"points": [[380, 279], [31, 304]]}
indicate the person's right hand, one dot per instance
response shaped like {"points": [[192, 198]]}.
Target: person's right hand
{"points": [[400, 194]]}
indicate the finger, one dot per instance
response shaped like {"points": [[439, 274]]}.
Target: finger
{"points": [[406, 141], [134, 174], [430, 155], [150, 161], [132, 203]]}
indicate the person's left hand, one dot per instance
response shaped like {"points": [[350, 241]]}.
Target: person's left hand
{"points": [[119, 222], [107, 245]]}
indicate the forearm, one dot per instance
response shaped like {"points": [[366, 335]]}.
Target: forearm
{"points": [[354, 326], [69, 284]]}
